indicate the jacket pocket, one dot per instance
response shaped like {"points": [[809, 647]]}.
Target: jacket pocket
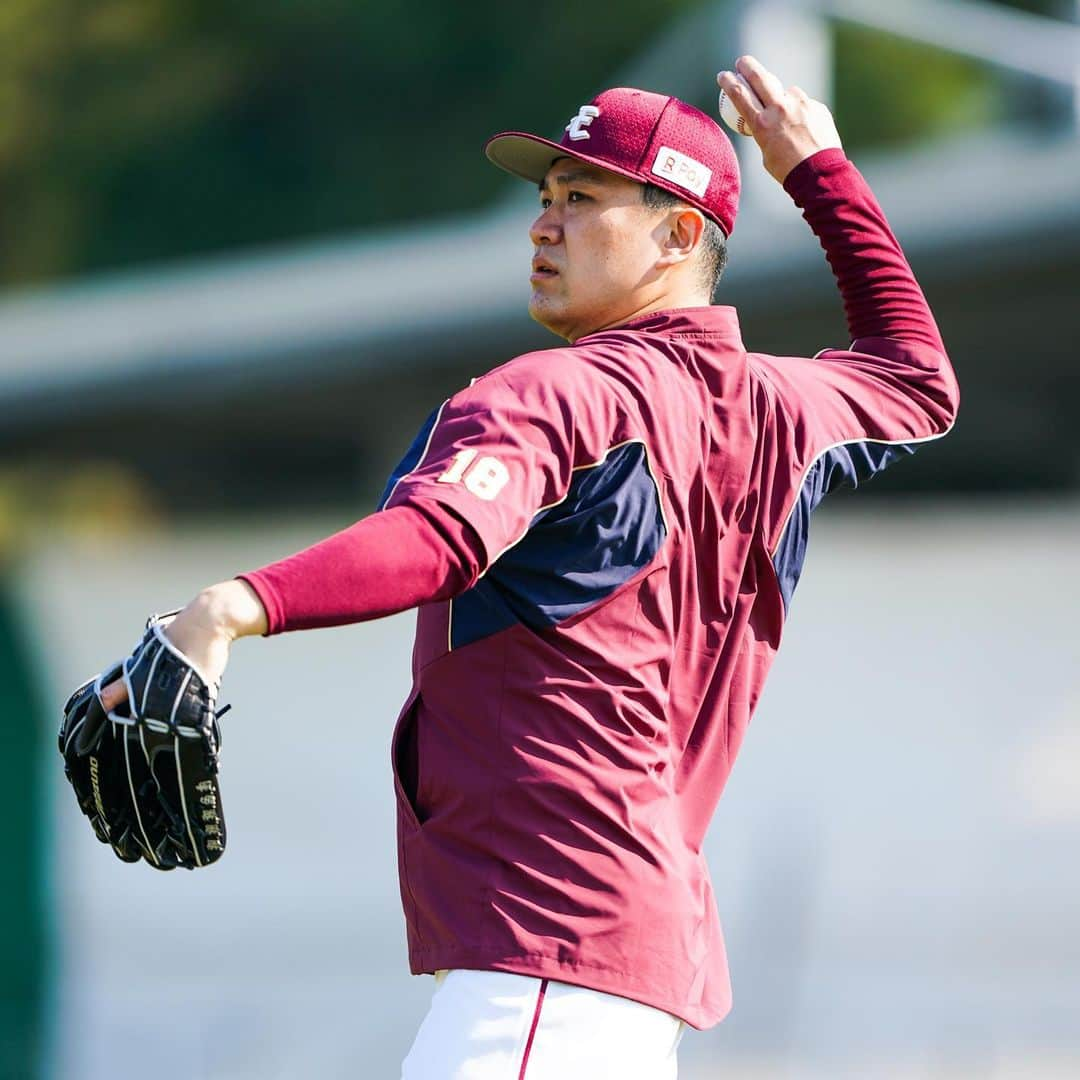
{"points": [[405, 762]]}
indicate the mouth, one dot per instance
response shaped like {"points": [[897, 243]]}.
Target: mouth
{"points": [[542, 270]]}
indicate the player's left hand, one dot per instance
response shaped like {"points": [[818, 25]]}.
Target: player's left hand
{"points": [[205, 630], [788, 125], [146, 772]]}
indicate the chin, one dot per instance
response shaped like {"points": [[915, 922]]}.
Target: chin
{"points": [[547, 317]]}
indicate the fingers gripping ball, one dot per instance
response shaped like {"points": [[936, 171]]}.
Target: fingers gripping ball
{"points": [[146, 773], [731, 116]]}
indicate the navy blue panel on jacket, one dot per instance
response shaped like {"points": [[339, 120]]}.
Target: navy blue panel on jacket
{"points": [[576, 553], [412, 456], [847, 464]]}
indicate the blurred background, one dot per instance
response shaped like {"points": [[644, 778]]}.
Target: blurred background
{"points": [[245, 248]]}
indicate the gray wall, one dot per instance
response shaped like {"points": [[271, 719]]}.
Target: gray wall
{"points": [[892, 857]]}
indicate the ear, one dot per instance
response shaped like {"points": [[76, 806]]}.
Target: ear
{"points": [[683, 228]]}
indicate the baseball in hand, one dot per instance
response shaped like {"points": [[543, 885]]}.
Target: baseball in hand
{"points": [[730, 114]]}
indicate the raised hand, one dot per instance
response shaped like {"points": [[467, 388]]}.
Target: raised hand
{"points": [[788, 125]]}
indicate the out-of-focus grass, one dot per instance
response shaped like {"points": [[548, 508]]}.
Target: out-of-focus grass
{"points": [[889, 91], [97, 500]]}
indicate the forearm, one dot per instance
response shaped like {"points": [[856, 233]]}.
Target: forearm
{"points": [[385, 563], [232, 607], [881, 297], [388, 562]]}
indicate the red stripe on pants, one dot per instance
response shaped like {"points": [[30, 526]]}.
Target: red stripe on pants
{"points": [[532, 1030]]}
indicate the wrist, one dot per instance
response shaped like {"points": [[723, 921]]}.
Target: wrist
{"points": [[234, 609], [820, 163]]}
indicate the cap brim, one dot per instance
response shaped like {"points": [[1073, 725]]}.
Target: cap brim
{"points": [[530, 157], [526, 156]]}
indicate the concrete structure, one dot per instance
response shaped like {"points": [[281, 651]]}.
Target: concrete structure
{"points": [[298, 376]]}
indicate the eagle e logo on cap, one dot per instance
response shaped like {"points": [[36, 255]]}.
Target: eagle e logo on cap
{"points": [[682, 170], [585, 116]]}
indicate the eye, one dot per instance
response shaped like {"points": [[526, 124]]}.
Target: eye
{"points": [[576, 196], [545, 202]]}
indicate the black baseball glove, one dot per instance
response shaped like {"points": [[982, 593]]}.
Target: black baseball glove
{"points": [[146, 774]]}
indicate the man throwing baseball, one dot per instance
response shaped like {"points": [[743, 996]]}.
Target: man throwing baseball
{"points": [[603, 540]]}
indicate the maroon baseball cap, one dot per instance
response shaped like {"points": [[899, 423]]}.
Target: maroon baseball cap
{"points": [[647, 137]]}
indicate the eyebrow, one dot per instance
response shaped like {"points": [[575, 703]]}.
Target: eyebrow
{"points": [[574, 177]]}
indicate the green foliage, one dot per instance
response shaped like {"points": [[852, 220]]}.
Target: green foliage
{"points": [[135, 130], [890, 91], [22, 833], [143, 130]]}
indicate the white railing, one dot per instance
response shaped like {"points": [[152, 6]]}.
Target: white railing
{"points": [[795, 38], [794, 35], [1037, 45]]}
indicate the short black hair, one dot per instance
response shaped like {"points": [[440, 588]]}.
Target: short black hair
{"points": [[713, 240]]}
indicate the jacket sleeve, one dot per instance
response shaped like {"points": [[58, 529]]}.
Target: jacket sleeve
{"points": [[384, 563], [480, 469], [846, 414], [894, 382], [505, 448]]}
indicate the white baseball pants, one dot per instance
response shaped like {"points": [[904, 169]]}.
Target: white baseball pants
{"points": [[491, 1025]]}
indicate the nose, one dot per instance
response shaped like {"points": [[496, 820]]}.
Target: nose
{"points": [[546, 229]]}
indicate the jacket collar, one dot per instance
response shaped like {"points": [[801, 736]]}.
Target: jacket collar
{"points": [[718, 320]]}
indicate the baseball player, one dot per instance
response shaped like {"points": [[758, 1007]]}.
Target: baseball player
{"points": [[603, 540]]}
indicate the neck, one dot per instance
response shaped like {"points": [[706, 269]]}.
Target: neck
{"points": [[668, 301]]}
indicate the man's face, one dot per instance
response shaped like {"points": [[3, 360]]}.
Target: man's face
{"points": [[595, 249]]}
